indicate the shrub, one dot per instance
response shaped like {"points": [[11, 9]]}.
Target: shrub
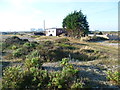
{"points": [[35, 78], [18, 52], [48, 43], [34, 62], [14, 40], [66, 46], [12, 77], [77, 84], [64, 78], [57, 54], [33, 54], [114, 77], [79, 56], [14, 47], [64, 61], [29, 45], [87, 50], [67, 67], [87, 53], [51, 53], [19, 77], [93, 39], [62, 40], [15, 77]]}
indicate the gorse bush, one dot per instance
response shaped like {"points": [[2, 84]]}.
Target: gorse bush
{"points": [[24, 50], [77, 84], [36, 78], [64, 62], [114, 77], [33, 54], [34, 62], [18, 52], [14, 47], [51, 53], [12, 77], [14, 40], [29, 45], [68, 69]]}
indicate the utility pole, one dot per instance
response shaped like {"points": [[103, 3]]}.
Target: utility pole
{"points": [[44, 24]]}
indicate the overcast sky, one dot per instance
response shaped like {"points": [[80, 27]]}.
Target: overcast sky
{"points": [[21, 15]]}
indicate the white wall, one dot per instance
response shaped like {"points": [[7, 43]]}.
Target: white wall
{"points": [[51, 31]]}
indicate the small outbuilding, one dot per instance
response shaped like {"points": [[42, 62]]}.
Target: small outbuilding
{"points": [[54, 31]]}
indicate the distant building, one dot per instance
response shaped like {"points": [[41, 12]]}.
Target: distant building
{"points": [[6, 33], [54, 31], [33, 29]]}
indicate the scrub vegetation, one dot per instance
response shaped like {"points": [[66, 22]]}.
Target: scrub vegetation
{"points": [[24, 63]]}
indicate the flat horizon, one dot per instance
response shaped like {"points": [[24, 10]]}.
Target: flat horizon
{"points": [[22, 15]]}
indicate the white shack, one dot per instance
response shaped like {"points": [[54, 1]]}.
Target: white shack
{"points": [[54, 31]]}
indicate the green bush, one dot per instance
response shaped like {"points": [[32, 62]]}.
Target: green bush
{"points": [[88, 54], [57, 54], [12, 77], [52, 53], [34, 62], [29, 45], [14, 47], [18, 52], [64, 62], [15, 77], [20, 77], [33, 54], [14, 40], [66, 46], [78, 84], [68, 68], [64, 78], [114, 77], [26, 49]]}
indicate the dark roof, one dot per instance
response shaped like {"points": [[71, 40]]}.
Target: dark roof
{"points": [[53, 28]]}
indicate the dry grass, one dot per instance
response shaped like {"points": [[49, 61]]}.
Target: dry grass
{"points": [[46, 38], [12, 60], [109, 62]]}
